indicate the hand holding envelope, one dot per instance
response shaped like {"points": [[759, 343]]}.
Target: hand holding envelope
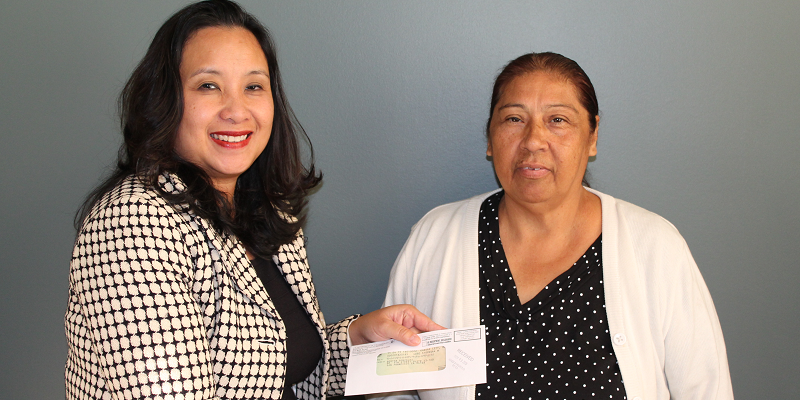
{"points": [[401, 322], [444, 358]]}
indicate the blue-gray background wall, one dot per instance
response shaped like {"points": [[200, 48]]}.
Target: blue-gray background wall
{"points": [[700, 124]]}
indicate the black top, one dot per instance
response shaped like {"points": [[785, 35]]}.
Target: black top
{"points": [[555, 346], [303, 344]]}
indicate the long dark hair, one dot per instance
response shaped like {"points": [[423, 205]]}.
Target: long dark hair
{"points": [[552, 63], [151, 108]]}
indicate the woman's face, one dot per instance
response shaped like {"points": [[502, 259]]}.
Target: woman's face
{"points": [[227, 103], [540, 139]]}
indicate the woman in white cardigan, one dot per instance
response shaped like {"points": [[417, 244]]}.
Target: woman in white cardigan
{"points": [[582, 295]]}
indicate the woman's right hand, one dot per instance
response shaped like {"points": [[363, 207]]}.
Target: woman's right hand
{"points": [[400, 322]]}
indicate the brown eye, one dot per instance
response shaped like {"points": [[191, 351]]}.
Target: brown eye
{"points": [[208, 86]]}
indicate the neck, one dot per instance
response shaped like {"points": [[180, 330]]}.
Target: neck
{"points": [[226, 187], [559, 220]]}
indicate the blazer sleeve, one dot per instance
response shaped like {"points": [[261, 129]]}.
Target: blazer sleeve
{"points": [[339, 353], [134, 328]]}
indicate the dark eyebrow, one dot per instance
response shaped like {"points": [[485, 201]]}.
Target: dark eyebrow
{"points": [[259, 72], [212, 71], [562, 105], [549, 106], [517, 105], [204, 71]]}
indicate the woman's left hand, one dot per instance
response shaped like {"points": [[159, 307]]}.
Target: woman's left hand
{"points": [[401, 322]]}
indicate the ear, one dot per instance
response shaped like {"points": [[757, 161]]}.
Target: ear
{"points": [[488, 147], [593, 137]]}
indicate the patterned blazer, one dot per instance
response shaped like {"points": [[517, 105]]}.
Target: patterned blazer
{"points": [[162, 306]]}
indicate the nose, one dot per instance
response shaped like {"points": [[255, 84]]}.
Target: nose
{"points": [[535, 137], [234, 108]]}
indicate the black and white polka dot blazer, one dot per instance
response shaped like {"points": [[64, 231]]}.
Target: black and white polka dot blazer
{"points": [[161, 306]]}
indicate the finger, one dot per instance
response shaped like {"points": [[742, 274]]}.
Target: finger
{"points": [[428, 325], [410, 317], [422, 323], [407, 318], [406, 336]]}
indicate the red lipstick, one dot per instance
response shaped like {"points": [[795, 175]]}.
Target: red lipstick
{"points": [[231, 139]]}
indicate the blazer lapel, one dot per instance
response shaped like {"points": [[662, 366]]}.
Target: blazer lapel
{"points": [[234, 258], [291, 260]]}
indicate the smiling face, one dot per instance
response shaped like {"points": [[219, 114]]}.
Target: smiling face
{"points": [[540, 139], [227, 103]]}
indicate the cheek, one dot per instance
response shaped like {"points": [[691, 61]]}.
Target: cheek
{"points": [[265, 120], [198, 111], [192, 114], [593, 145], [183, 146], [503, 160], [190, 134], [504, 149], [265, 113]]}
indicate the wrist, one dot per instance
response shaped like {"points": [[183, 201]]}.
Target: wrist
{"points": [[349, 338]]}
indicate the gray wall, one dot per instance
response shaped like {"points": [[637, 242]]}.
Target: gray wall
{"points": [[699, 124]]}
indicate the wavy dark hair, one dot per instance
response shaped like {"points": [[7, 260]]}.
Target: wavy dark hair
{"points": [[151, 108], [553, 63]]}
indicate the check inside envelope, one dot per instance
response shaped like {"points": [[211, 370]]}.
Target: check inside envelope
{"points": [[403, 362]]}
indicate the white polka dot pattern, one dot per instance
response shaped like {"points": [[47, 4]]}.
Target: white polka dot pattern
{"points": [[163, 307]]}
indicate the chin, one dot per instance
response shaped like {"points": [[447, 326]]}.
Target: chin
{"points": [[233, 170], [529, 196]]}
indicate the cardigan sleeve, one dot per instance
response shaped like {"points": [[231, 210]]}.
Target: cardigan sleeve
{"points": [[685, 329], [695, 362], [134, 328]]}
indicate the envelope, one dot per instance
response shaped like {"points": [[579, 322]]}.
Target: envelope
{"points": [[445, 358]]}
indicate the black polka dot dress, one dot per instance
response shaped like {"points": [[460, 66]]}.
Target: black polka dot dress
{"points": [[557, 345]]}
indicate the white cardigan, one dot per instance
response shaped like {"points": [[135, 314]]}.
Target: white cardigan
{"points": [[662, 322]]}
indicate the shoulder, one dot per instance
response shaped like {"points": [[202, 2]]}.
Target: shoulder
{"points": [[638, 237], [133, 211], [463, 211], [134, 224], [442, 234], [641, 221], [131, 197]]}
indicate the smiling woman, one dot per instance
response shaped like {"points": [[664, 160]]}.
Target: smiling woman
{"points": [[189, 277], [227, 104]]}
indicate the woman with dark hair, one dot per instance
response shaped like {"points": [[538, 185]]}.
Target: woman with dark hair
{"points": [[189, 277], [582, 295]]}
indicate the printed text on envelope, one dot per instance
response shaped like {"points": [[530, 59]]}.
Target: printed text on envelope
{"points": [[403, 362]]}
